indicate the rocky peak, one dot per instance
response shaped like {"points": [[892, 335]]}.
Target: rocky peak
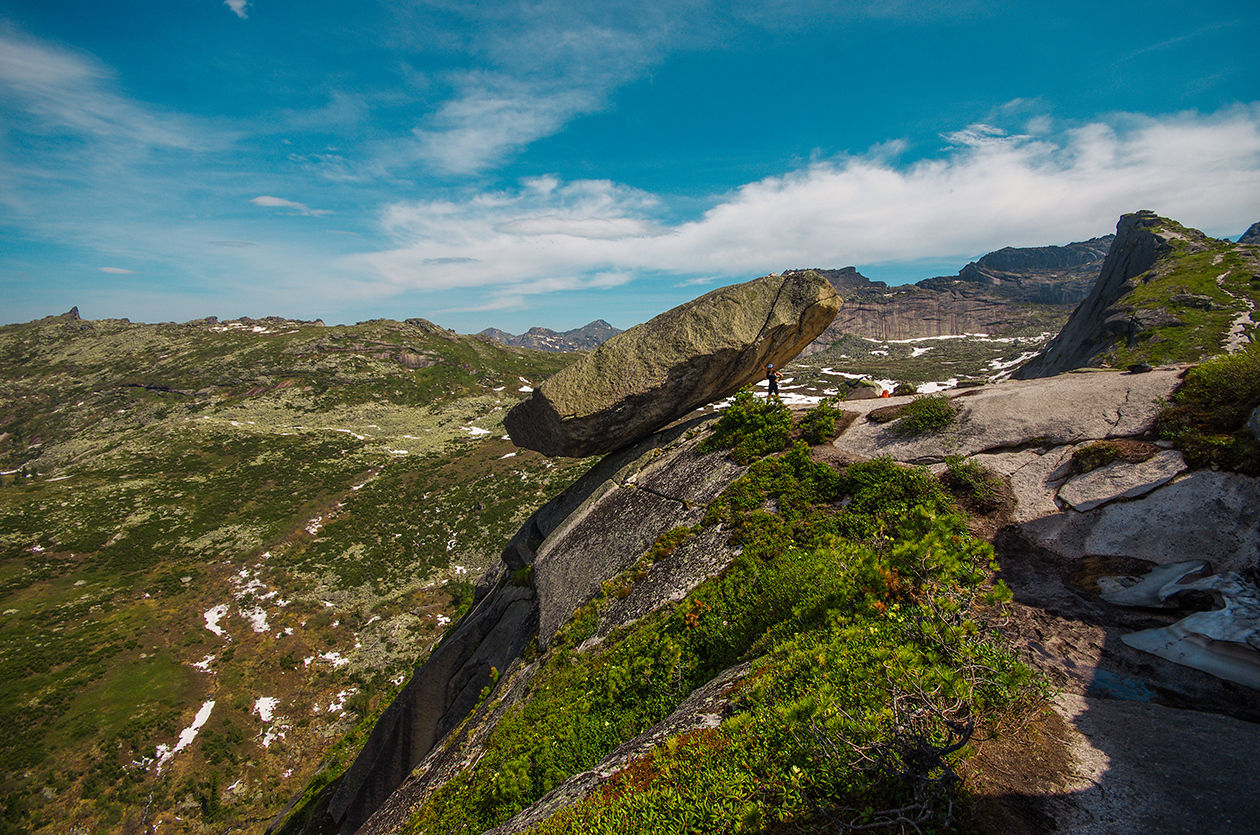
{"points": [[586, 338], [1155, 269], [1252, 235], [1016, 259]]}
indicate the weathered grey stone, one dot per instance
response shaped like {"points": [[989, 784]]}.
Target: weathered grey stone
{"points": [[1191, 300], [1066, 409], [1253, 423], [654, 373], [1205, 513], [608, 533], [670, 579], [860, 390], [437, 698], [1121, 480], [1144, 768], [1034, 476]]}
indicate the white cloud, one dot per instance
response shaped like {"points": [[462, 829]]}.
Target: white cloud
{"points": [[986, 190], [493, 116], [280, 203], [117, 271], [238, 6], [60, 91]]}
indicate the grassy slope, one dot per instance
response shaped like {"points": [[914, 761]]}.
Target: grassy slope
{"points": [[306, 479], [1223, 271], [856, 616]]}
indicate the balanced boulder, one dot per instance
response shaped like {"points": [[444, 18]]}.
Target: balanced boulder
{"points": [[656, 372]]}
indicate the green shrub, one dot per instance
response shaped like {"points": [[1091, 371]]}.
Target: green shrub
{"points": [[929, 413], [819, 424], [751, 428], [883, 492], [981, 483], [1208, 418], [841, 634]]}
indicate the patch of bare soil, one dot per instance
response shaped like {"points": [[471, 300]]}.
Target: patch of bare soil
{"points": [[885, 414], [1025, 760]]}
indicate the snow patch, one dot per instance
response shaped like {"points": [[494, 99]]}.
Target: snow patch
{"points": [[265, 707], [186, 736], [213, 616], [257, 618], [933, 388]]}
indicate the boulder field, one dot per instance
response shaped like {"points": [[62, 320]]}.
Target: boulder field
{"points": [[654, 373], [1140, 740]]}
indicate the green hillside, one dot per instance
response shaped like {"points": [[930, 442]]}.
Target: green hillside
{"points": [[320, 496]]}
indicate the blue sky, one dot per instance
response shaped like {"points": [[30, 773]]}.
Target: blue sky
{"points": [[548, 163]]}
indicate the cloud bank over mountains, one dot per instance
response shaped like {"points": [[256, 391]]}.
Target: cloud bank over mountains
{"points": [[987, 189], [590, 158]]}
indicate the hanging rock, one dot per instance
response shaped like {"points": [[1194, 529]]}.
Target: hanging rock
{"points": [[654, 373]]}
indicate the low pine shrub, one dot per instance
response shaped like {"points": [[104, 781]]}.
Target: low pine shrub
{"points": [[751, 428], [1208, 418], [860, 652], [1095, 455], [981, 484], [819, 424], [929, 413]]}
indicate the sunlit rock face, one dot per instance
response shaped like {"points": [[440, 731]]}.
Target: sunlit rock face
{"points": [[654, 373]]}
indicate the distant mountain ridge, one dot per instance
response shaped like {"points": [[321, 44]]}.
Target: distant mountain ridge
{"points": [[1010, 289], [586, 338]]}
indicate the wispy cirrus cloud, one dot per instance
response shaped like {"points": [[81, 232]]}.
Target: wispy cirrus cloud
{"points": [[986, 189], [269, 202], [493, 117], [63, 92], [116, 271]]}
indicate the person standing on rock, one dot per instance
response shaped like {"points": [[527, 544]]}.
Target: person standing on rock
{"points": [[772, 378]]}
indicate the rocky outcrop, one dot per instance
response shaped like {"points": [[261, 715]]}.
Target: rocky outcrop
{"points": [[656, 372], [1065, 410], [438, 697], [1099, 320], [1251, 236], [591, 532], [1121, 480], [1155, 278], [1070, 617]]}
